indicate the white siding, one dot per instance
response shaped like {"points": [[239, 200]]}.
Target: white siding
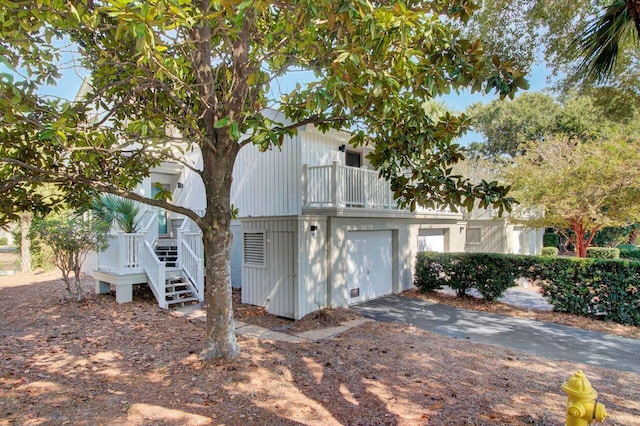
{"points": [[268, 183], [500, 236], [273, 286], [312, 265]]}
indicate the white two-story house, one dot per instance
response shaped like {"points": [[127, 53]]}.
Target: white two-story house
{"points": [[316, 227]]}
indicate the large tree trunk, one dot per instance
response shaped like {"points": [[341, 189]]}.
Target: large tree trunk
{"points": [[25, 242], [219, 153], [583, 237], [220, 339]]}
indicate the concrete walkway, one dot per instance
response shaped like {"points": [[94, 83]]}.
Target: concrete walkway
{"points": [[197, 313], [546, 340]]}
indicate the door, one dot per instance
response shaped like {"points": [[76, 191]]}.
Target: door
{"points": [[281, 261], [369, 265], [163, 226], [354, 191]]}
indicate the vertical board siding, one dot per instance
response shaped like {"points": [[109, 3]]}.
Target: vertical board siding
{"points": [[312, 266], [268, 183], [272, 286]]}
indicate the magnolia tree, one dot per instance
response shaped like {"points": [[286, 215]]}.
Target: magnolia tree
{"points": [[171, 76], [583, 186]]}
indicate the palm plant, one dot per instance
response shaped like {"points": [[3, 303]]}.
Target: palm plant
{"points": [[605, 37], [110, 208]]}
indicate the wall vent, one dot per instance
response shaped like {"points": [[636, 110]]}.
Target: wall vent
{"points": [[254, 249]]}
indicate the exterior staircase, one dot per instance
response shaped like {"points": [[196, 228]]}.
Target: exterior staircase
{"points": [[179, 291], [167, 252]]}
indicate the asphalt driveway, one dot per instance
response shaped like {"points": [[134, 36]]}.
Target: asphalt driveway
{"points": [[546, 340]]}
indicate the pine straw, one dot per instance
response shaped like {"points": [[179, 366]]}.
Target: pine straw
{"points": [[100, 362]]}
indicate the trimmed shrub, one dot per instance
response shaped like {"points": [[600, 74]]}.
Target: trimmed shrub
{"points": [[551, 239], [491, 274], [601, 288], [603, 253], [606, 289], [629, 251], [549, 251]]}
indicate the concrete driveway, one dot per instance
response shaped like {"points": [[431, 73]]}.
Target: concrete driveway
{"points": [[546, 340]]}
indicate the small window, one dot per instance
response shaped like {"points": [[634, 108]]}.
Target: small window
{"points": [[254, 249], [474, 235], [353, 159]]}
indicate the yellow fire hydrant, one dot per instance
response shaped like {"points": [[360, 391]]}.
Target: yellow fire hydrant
{"points": [[582, 404]]}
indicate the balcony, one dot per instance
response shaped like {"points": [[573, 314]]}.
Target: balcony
{"points": [[339, 186]]}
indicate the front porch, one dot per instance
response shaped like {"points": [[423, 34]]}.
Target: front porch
{"points": [[172, 267]]}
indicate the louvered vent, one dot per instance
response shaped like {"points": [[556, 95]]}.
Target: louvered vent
{"points": [[254, 248]]}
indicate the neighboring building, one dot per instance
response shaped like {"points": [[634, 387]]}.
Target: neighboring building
{"points": [[316, 228], [487, 233]]}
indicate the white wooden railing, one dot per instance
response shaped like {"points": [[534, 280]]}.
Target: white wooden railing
{"points": [[155, 271], [121, 255], [191, 254], [129, 253], [193, 267], [337, 185]]}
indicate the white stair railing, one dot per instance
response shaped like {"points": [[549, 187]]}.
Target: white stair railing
{"points": [[193, 268], [191, 255], [155, 271]]}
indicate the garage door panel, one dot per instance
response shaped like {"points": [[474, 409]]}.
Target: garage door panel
{"points": [[431, 240], [369, 264]]}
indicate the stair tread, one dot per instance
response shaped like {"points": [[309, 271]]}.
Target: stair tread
{"points": [[179, 292], [186, 299]]}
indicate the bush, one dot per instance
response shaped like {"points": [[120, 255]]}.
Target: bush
{"points": [[549, 251], [601, 288], [603, 253], [606, 289], [551, 239], [629, 251], [491, 274], [71, 238], [4, 241]]}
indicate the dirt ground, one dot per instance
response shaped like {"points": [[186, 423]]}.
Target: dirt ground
{"points": [[133, 364]]}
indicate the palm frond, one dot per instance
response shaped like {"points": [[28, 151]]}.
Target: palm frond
{"points": [[600, 44], [110, 208]]}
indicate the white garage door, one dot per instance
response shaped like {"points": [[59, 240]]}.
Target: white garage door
{"points": [[369, 265], [431, 240]]}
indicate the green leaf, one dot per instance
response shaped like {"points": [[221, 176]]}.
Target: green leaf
{"points": [[222, 123]]}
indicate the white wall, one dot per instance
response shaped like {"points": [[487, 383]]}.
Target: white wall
{"points": [[267, 183]]}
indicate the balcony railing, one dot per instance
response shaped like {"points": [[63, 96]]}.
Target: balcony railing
{"points": [[337, 185]]}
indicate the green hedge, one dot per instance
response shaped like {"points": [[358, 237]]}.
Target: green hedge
{"points": [[606, 289], [491, 274], [629, 251], [549, 251], [551, 239], [603, 253]]}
